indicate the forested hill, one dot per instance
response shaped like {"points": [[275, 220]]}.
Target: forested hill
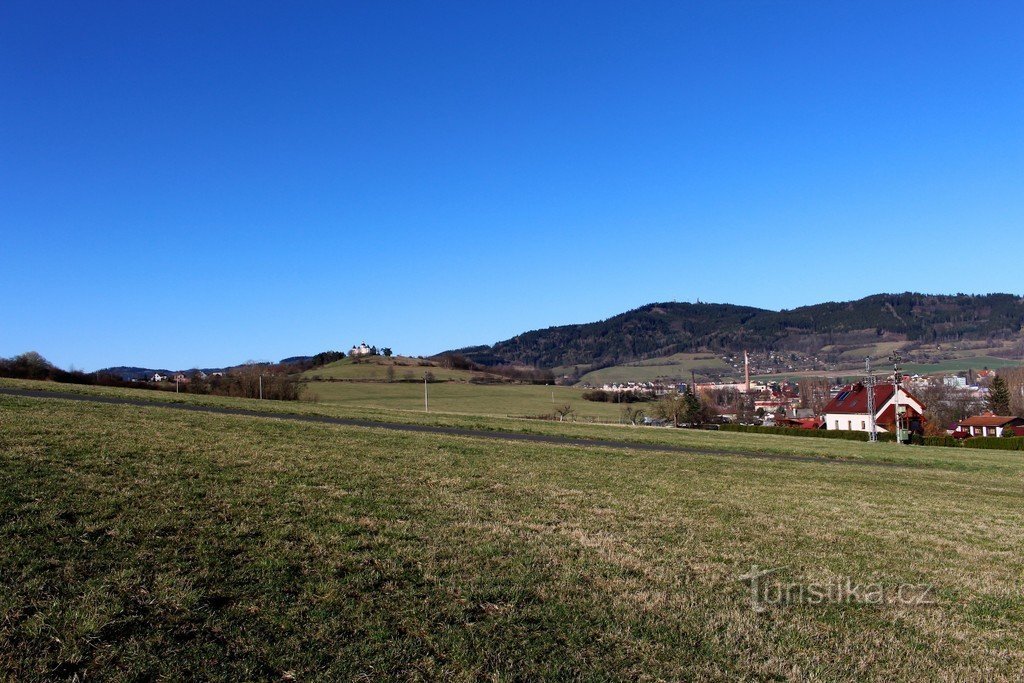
{"points": [[666, 328]]}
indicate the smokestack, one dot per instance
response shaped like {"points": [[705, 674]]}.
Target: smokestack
{"points": [[746, 370]]}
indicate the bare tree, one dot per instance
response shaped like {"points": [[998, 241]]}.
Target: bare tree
{"points": [[946, 405], [673, 407], [631, 415]]}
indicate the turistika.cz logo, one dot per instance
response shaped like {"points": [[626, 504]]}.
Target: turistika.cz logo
{"points": [[766, 592]]}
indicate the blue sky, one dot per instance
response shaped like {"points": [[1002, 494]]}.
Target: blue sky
{"points": [[197, 184]]}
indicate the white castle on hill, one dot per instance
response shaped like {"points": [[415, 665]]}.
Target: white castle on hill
{"points": [[361, 350]]}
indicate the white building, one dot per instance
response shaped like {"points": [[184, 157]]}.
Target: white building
{"points": [[988, 424], [361, 350], [848, 411]]}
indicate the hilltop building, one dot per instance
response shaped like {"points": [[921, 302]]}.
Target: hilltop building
{"points": [[361, 350]]}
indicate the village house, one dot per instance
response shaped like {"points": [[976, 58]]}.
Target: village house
{"points": [[988, 424], [848, 411]]}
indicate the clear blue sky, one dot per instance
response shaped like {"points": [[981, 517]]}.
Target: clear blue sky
{"points": [[197, 184]]}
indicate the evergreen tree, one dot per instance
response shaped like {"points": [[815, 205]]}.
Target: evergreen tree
{"points": [[999, 396], [694, 411]]}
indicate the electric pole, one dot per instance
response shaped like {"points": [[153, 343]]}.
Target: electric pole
{"points": [[896, 379], [869, 382], [426, 406]]}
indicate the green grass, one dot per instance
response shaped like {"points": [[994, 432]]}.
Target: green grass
{"points": [[960, 365], [881, 350], [769, 444], [374, 368], [677, 366], [144, 543], [461, 397]]}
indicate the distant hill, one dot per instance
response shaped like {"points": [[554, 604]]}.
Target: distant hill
{"points": [[833, 328], [128, 373]]}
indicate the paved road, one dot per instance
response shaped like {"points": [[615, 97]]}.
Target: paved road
{"points": [[432, 429]]}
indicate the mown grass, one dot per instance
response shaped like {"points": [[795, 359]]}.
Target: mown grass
{"points": [[149, 543], [676, 366], [375, 368], [474, 399], [770, 444]]}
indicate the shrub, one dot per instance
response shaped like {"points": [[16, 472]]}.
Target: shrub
{"points": [[943, 440], [814, 433], [1015, 443]]}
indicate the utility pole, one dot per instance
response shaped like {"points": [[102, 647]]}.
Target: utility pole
{"points": [[426, 406], [869, 382], [261, 387], [896, 379]]}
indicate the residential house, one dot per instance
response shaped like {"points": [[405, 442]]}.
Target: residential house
{"points": [[848, 411], [988, 424]]}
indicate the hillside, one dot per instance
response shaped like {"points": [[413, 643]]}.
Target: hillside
{"points": [[375, 368], [821, 333]]}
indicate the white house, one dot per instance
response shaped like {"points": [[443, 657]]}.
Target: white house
{"points": [[988, 424], [361, 350], [848, 411]]}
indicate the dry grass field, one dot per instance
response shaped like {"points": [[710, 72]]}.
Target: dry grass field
{"points": [[145, 542]]}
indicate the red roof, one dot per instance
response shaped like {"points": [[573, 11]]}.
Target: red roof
{"points": [[854, 399], [989, 420], [800, 423]]}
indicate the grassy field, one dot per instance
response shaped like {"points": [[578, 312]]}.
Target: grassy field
{"points": [[961, 365], [677, 366], [880, 350], [461, 397], [150, 543], [768, 444], [375, 368]]}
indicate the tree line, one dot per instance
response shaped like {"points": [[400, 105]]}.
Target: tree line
{"points": [[272, 381]]}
